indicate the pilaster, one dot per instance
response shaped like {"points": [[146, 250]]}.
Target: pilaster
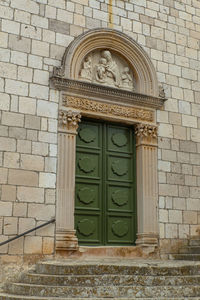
{"points": [[65, 234], [147, 191]]}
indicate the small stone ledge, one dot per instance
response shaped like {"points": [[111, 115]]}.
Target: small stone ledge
{"points": [[97, 92]]}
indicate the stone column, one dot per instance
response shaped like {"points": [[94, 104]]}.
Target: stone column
{"points": [[147, 184], [65, 234]]}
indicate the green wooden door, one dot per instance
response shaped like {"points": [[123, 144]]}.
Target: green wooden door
{"points": [[105, 202]]}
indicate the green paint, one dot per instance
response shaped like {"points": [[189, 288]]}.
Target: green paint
{"points": [[105, 201]]}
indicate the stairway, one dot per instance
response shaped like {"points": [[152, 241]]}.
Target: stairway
{"points": [[190, 252], [107, 279]]}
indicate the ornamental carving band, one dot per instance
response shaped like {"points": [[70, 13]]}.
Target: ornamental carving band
{"points": [[146, 130], [107, 108], [69, 119]]}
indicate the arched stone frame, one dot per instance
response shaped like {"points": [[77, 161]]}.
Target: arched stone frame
{"points": [[92, 100]]}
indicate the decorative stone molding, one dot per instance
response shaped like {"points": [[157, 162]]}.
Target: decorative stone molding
{"points": [[68, 120], [121, 45], [146, 130], [95, 107]]}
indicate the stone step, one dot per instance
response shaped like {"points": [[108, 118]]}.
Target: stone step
{"points": [[102, 269], [103, 292], [194, 242], [104, 280], [191, 257], [190, 250], [17, 297]]}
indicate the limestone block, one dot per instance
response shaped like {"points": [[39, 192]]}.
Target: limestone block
{"points": [[49, 36], [183, 157], [13, 119], [10, 225], [40, 48], [195, 135], [171, 231], [157, 32], [19, 209], [179, 203], [194, 229], [16, 247], [11, 160], [17, 133], [165, 130], [39, 91], [22, 16], [195, 159], [60, 3], [179, 132], [4, 39], [29, 194], [8, 70], [22, 44], [33, 245], [47, 109], [50, 196], [41, 211], [48, 246], [6, 209], [162, 116], [175, 145], [56, 52], [27, 5], [3, 249], [47, 180], [39, 21], [189, 217], [190, 180], [3, 175], [21, 177], [32, 135], [48, 230], [91, 23], [16, 87], [183, 231], [35, 61], [189, 121], [175, 216], [50, 12], [19, 58], [32, 122], [169, 155], [164, 143], [10, 26], [164, 166], [183, 191], [7, 144], [4, 55], [187, 169], [50, 164], [100, 15], [25, 74], [127, 25], [32, 162], [27, 105], [196, 170], [168, 190], [189, 74], [163, 215], [4, 101], [63, 40], [175, 178], [194, 192], [39, 148], [52, 125], [193, 204], [171, 105], [47, 137], [26, 224]]}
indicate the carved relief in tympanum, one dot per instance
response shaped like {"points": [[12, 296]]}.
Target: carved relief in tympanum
{"points": [[107, 68]]}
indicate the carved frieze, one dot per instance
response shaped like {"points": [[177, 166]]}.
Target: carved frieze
{"points": [[68, 120], [107, 68], [108, 108]]}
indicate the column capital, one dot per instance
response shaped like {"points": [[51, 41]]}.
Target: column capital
{"points": [[146, 134], [68, 121]]}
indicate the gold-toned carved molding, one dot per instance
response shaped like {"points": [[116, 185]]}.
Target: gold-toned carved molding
{"points": [[68, 120], [146, 130], [91, 106]]}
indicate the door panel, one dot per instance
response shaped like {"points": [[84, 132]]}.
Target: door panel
{"points": [[105, 210]]}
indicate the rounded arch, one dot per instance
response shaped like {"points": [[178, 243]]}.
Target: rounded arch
{"points": [[119, 43]]}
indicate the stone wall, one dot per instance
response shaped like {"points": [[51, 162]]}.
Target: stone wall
{"points": [[33, 38]]}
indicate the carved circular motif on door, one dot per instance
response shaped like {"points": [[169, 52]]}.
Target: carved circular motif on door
{"points": [[119, 139], [120, 228], [119, 168], [86, 164], [87, 135], [86, 195], [86, 227], [120, 197]]}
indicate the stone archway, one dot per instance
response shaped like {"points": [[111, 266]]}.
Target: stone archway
{"points": [[134, 103]]}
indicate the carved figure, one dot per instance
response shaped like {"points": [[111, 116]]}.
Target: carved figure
{"points": [[86, 70], [101, 70], [127, 82], [112, 70]]}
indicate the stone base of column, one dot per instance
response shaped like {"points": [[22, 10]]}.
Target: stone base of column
{"points": [[66, 240], [147, 239]]}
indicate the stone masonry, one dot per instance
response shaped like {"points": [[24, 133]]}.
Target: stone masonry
{"points": [[33, 37]]}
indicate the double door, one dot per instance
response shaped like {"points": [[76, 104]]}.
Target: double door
{"points": [[105, 195]]}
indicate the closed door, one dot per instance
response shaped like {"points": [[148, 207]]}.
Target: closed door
{"points": [[105, 202]]}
